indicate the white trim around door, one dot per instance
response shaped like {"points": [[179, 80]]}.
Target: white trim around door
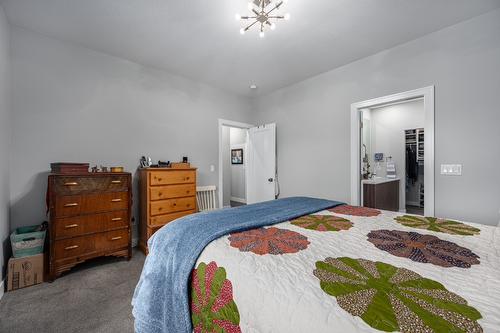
{"points": [[229, 123], [427, 94]]}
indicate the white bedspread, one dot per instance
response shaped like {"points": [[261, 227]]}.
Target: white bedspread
{"points": [[275, 292]]}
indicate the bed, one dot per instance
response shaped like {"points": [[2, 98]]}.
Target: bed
{"points": [[312, 265]]}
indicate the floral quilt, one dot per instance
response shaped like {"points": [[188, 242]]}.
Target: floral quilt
{"points": [[351, 269]]}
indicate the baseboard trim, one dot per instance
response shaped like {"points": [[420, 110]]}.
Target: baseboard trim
{"points": [[413, 203], [240, 200], [2, 289]]}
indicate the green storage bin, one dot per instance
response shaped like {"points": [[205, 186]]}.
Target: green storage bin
{"points": [[27, 241]]}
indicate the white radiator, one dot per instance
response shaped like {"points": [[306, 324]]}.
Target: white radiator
{"points": [[206, 197]]}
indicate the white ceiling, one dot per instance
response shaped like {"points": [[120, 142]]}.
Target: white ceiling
{"points": [[200, 39]]}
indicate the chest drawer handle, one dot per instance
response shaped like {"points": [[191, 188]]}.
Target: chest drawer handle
{"points": [[116, 200], [116, 238], [71, 226], [116, 219], [187, 178], [159, 179], [116, 182], [71, 247], [73, 204], [71, 184]]}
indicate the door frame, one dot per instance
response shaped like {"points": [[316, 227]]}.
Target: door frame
{"points": [[229, 123], [427, 93]]}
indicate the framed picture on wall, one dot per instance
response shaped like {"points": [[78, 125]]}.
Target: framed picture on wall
{"points": [[237, 156]]}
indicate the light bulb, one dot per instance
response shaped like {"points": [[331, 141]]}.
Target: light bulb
{"points": [[262, 34], [237, 17], [242, 31], [287, 16], [273, 26]]}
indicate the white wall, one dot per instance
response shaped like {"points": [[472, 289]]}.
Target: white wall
{"points": [[4, 140], [387, 136], [74, 104], [238, 138], [463, 63]]}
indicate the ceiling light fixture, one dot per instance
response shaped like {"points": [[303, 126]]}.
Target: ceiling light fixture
{"points": [[263, 14]]}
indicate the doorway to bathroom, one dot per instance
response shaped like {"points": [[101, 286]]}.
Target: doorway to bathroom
{"points": [[392, 152], [392, 156]]}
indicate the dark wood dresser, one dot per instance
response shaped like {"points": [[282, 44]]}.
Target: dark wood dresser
{"points": [[90, 216], [166, 194]]}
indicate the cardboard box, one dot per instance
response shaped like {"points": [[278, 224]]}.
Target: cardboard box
{"points": [[25, 271]]}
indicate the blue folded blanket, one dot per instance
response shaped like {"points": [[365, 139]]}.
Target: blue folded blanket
{"points": [[161, 298]]}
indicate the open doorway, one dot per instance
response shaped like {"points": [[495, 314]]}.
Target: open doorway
{"points": [[234, 145], [247, 160], [233, 161], [392, 156], [387, 169]]}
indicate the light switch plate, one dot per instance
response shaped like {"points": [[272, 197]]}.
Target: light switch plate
{"points": [[451, 169]]}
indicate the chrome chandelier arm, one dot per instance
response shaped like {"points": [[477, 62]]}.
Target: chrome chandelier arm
{"points": [[275, 7], [251, 25]]}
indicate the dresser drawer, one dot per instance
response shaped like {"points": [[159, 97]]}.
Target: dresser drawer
{"points": [[113, 240], [72, 205], [172, 191], [161, 220], [172, 205], [67, 185], [87, 224], [172, 177], [74, 247]]}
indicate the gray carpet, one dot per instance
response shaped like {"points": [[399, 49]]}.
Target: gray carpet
{"points": [[93, 297]]}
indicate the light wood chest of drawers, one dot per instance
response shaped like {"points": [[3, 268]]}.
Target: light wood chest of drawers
{"points": [[165, 195], [89, 217]]}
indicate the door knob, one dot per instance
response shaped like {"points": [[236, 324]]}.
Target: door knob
{"points": [[270, 180]]}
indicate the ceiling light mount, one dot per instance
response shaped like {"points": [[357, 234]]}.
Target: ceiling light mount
{"points": [[264, 12]]}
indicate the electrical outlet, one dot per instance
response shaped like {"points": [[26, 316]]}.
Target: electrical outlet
{"points": [[451, 169]]}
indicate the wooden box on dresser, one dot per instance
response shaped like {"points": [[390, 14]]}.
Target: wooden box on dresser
{"points": [[90, 216], [166, 194]]}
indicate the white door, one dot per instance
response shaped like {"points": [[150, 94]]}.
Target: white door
{"points": [[261, 167]]}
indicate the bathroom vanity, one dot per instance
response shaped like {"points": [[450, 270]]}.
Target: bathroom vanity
{"points": [[381, 193]]}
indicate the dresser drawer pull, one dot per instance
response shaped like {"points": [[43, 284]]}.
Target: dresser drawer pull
{"points": [[116, 238], [116, 200], [174, 204], [187, 178], [71, 226], [116, 219], [73, 204], [71, 247], [71, 184], [116, 182]]}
